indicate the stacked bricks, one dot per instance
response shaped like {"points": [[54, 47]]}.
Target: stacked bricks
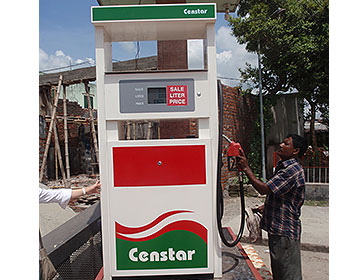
{"points": [[73, 108]]}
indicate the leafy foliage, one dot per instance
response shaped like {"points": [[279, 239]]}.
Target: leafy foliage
{"points": [[294, 47], [254, 156]]}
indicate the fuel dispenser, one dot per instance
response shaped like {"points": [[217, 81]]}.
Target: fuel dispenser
{"points": [[158, 200]]}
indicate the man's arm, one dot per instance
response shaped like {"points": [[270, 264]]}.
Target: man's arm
{"points": [[260, 186], [88, 190], [64, 196]]}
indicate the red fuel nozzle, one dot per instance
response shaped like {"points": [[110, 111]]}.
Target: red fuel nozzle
{"points": [[234, 149], [232, 153]]}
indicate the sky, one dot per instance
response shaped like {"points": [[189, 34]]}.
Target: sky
{"points": [[66, 36]]}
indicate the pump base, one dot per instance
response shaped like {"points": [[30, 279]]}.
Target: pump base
{"points": [[167, 277], [235, 265]]}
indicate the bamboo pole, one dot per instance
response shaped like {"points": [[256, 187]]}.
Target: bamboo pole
{"points": [[92, 121], [66, 132], [58, 156], [58, 150], [149, 130], [50, 128], [159, 130], [133, 130], [128, 131], [56, 162]]}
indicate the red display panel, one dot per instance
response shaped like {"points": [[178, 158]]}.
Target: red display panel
{"points": [[177, 95], [159, 165]]}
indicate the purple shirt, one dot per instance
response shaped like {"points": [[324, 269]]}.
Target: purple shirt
{"points": [[282, 210]]}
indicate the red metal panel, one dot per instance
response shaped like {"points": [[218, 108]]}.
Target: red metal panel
{"points": [[159, 165]]}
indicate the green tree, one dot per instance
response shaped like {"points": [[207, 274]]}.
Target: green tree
{"points": [[294, 48]]}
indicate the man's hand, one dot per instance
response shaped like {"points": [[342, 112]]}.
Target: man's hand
{"points": [[243, 163], [260, 186], [259, 209], [95, 188]]}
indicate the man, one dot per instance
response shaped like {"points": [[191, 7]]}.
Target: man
{"points": [[285, 195]]}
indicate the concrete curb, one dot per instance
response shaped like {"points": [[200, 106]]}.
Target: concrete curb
{"points": [[317, 191], [304, 246]]}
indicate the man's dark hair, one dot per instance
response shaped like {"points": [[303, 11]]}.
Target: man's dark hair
{"points": [[299, 142]]}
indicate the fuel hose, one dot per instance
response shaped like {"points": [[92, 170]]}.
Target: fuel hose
{"points": [[219, 191]]}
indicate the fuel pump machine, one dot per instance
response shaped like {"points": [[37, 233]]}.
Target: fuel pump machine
{"points": [[158, 199]]}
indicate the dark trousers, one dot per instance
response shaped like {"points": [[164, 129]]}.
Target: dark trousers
{"points": [[285, 254]]}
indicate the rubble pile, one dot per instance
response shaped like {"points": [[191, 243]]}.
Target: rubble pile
{"points": [[78, 182]]}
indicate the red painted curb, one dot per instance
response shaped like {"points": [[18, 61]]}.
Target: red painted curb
{"points": [[100, 274], [247, 259]]}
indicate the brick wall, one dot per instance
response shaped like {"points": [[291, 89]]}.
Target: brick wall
{"points": [[73, 108], [178, 129], [240, 114]]}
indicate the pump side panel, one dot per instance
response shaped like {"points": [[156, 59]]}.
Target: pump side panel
{"points": [[161, 224], [159, 166]]}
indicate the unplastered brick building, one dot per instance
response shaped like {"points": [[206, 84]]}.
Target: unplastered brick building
{"points": [[240, 113]]}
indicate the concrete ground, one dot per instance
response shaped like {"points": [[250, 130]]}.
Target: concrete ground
{"points": [[314, 239], [51, 216], [315, 234]]}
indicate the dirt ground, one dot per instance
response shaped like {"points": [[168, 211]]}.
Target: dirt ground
{"points": [[315, 265]]}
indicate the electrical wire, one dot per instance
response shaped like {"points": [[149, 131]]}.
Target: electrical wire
{"points": [[63, 67], [137, 56], [226, 78]]}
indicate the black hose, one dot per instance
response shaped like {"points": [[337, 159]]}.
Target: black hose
{"points": [[219, 192]]}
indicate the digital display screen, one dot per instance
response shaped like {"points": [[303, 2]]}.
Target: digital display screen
{"points": [[157, 95]]}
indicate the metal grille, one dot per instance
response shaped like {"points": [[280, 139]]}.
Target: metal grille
{"points": [[84, 263]]}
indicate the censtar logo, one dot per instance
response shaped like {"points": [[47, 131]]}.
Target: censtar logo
{"points": [[162, 256], [162, 244], [195, 12]]}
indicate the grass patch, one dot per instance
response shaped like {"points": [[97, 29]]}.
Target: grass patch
{"points": [[322, 203]]}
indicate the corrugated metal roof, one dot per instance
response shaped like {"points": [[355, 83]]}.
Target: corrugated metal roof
{"points": [[89, 73]]}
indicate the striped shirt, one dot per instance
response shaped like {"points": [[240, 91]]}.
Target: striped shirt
{"points": [[282, 210]]}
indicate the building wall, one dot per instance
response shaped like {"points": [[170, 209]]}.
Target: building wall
{"points": [[287, 119], [178, 129], [76, 93]]}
